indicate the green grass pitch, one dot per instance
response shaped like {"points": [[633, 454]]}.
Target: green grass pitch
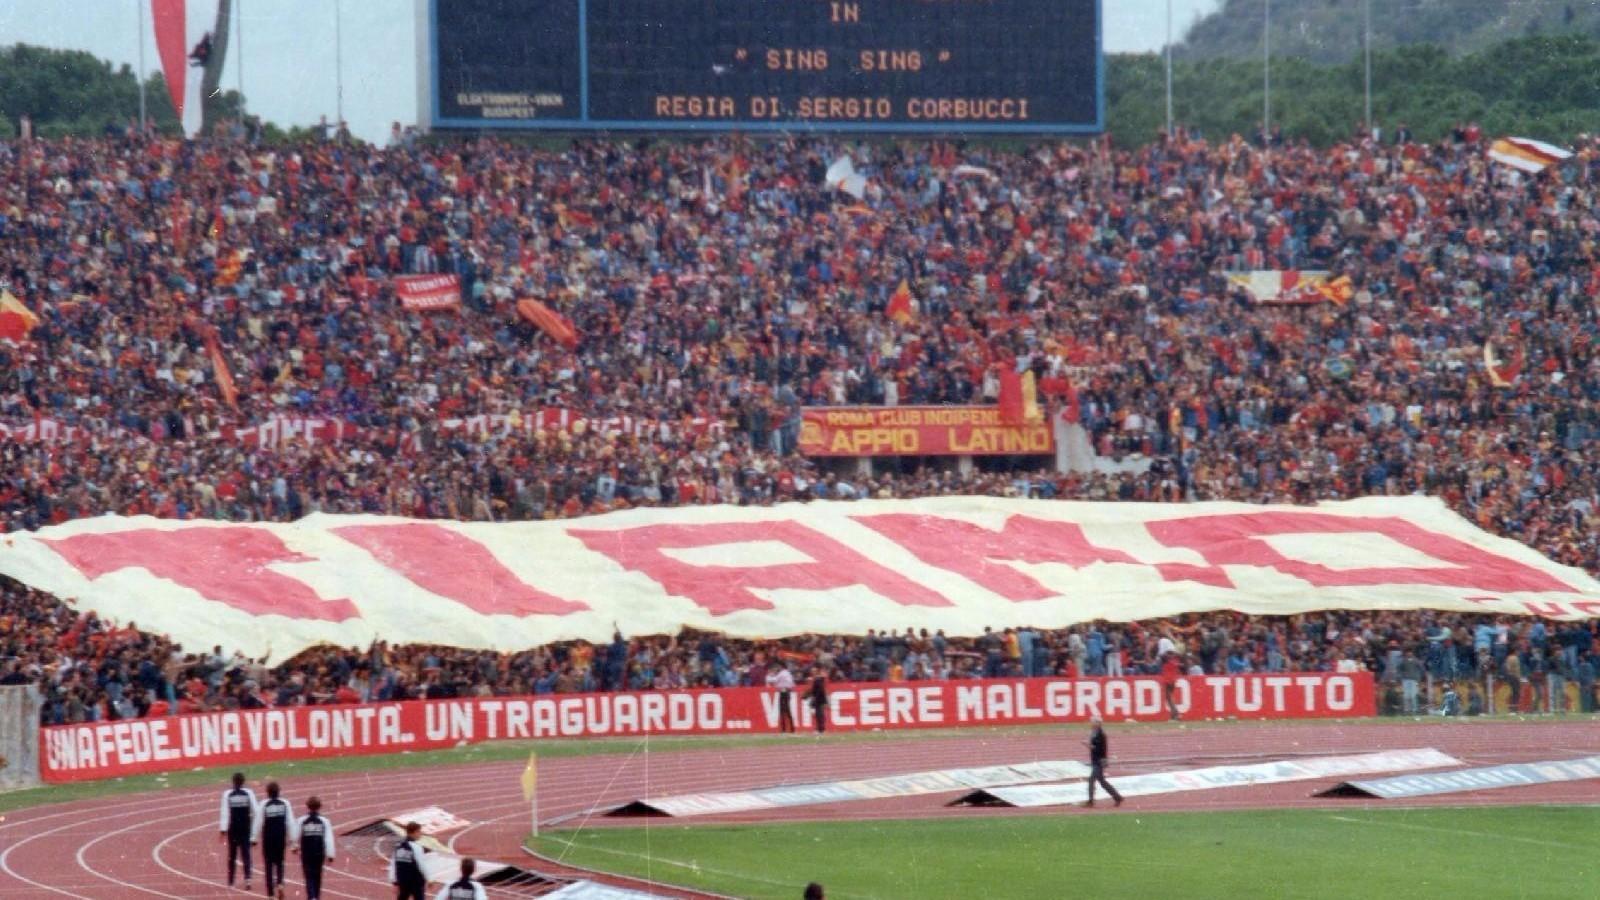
{"points": [[1501, 852]]}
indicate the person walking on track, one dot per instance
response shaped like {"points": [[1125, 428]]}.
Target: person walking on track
{"points": [[466, 888], [314, 842], [238, 825], [405, 866], [818, 697], [272, 832], [1097, 764]]}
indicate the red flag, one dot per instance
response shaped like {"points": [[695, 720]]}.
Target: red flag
{"points": [[1502, 373], [16, 320], [219, 369], [1012, 405], [900, 304], [549, 321], [170, 19]]}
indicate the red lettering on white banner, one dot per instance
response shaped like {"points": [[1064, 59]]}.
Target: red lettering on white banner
{"points": [[456, 567], [970, 550], [722, 589], [721, 560], [1236, 540], [229, 565]]}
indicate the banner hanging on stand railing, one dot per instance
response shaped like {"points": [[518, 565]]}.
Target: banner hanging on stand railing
{"points": [[239, 737]]}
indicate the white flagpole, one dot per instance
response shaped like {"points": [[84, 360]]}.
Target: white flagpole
{"points": [[338, 65], [1366, 52], [1266, 73], [238, 27], [1169, 68], [536, 811], [140, 5]]}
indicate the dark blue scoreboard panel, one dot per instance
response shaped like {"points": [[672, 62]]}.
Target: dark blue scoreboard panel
{"points": [[939, 66]]}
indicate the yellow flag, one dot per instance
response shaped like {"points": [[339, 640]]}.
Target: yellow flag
{"points": [[530, 777], [1030, 399]]}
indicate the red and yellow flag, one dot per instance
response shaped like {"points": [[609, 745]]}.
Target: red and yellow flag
{"points": [[899, 308], [229, 267], [220, 371], [16, 319], [1338, 291]]}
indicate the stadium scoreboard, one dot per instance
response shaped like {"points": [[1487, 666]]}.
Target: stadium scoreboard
{"points": [[934, 66]]}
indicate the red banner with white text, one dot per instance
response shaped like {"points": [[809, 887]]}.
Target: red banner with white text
{"points": [[242, 737], [428, 293], [919, 431]]}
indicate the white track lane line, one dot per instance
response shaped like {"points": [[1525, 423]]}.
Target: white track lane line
{"points": [[570, 800], [352, 812], [823, 766], [1462, 832], [187, 797], [574, 796]]}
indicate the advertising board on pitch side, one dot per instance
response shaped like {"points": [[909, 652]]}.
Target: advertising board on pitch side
{"points": [[98, 750]]}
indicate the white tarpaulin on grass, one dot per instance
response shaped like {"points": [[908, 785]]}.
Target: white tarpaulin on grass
{"points": [[1485, 778], [1216, 777], [956, 563], [913, 784], [593, 890]]}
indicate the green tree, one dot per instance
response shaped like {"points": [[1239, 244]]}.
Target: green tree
{"points": [[1545, 87], [70, 92]]}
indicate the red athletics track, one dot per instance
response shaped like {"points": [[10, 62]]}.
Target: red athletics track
{"points": [[163, 844]]}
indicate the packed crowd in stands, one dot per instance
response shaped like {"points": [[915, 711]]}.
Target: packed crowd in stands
{"points": [[90, 669], [725, 282]]}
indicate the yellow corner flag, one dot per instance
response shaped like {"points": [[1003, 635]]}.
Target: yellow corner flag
{"points": [[530, 780], [530, 777]]}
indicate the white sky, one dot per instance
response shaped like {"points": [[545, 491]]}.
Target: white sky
{"points": [[289, 48]]}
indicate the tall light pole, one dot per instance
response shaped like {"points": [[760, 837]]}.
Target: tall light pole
{"points": [[1266, 72], [338, 63], [1169, 68], [140, 5], [1366, 46]]}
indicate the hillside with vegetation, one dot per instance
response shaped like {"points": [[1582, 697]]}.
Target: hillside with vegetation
{"points": [[1330, 31], [1540, 87]]}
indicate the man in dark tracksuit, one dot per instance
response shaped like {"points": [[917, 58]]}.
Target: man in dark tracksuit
{"points": [[466, 888], [405, 867], [1097, 764], [237, 825], [275, 821], [818, 697], [314, 835]]}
